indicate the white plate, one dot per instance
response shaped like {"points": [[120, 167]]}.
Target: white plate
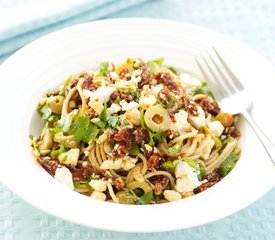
{"points": [[46, 62]]}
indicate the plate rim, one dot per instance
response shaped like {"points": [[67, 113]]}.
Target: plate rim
{"points": [[111, 21]]}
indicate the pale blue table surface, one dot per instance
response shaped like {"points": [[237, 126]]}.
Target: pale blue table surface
{"points": [[252, 22]]}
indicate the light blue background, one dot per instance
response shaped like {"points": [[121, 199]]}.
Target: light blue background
{"points": [[252, 22]]}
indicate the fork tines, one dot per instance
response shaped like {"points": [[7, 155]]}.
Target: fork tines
{"points": [[220, 78]]}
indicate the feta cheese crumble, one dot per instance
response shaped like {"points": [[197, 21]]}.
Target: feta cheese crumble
{"points": [[101, 94], [128, 163], [156, 89], [181, 123], [135, 79], [114, 108], [98, 185], [104, 93], [187, 177], [198, 121], [189, 82], [147, 99], [133, 116], [128, 106], [70, 157], [146, 102], [64, 176], [114, 75], [187, 184], [130, 85], [216, 128], [136, 72], [96, 106]]}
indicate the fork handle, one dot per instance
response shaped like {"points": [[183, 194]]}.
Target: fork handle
{"points": [[266, 142]]}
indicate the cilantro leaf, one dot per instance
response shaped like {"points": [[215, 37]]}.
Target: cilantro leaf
{"points": [[31, 137], [113, 121], [65, 122], [98, 122], [104, 69], [203, 90], [172, 70], [158, 61], [154, 65], [130, 194], [134, 150], [44, 112], [159, 135], [145, 198], [151, 138], [103, 115], [102, 118], [156, 136], [83, 129], [137, 95], [86, 134], [80, 122]]}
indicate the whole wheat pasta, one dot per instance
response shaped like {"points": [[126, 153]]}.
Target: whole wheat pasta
{"points": [[135, 133]]}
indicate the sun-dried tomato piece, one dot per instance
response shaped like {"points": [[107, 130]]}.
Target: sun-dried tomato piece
{"points": [[122, 143], [212, 178], [48, 164], [78, 173], [191, 106], [170, 102], [124, 73], [90, 113], [111, 136], [83, 173], [167, 80], [53, 93], [119, 183], [88, 82], [158, 188], [155, 162], [145, 75], [141, 136], [209, 106], [159, 179], [127, 96], [232, 131]]}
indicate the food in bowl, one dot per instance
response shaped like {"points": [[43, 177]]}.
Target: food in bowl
{"points": [[135, 133]]}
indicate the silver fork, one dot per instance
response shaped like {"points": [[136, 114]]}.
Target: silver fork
{"points": [[231, 94]]}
